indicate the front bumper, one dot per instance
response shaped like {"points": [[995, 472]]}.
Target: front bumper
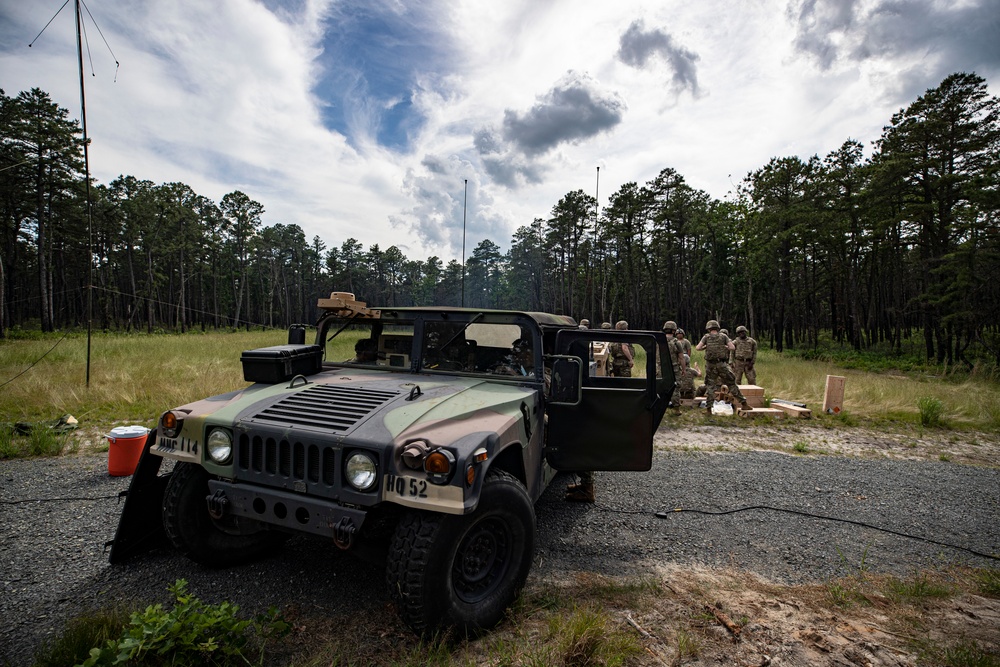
{"points": [[286, 509]]}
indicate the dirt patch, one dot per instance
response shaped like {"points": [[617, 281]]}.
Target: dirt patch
{"points": [[713, 616], [801, 437], [708, 616]]}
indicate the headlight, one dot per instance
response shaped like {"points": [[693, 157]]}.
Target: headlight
{"points": [[361, 471], [220, 445]]}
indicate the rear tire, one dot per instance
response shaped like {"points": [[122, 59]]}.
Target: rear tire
{"points": [[463, 571], [201, 538]]}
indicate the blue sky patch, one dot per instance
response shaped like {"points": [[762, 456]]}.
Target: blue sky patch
{"points": [[373, 55]]}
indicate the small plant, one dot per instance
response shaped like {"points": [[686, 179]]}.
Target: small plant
{"points": [[840, 595], [81, 634], [931, 410], [847, 592], [968, 654], [862, 566], [43, 441], [944, 457], [801, 447], [687, 645], [845, 419], [587, 637], [918, 587], [988, 583], [8, 447], [191, 633]]}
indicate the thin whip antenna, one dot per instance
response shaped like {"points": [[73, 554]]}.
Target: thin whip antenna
{"points": [[47, 24], [81, 35], [101, 33], [86, 41]]}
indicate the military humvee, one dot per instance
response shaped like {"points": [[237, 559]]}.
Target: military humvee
{"points": [[439, 434]]}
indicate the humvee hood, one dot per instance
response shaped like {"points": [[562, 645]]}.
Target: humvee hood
{"points": [[340, 403]]}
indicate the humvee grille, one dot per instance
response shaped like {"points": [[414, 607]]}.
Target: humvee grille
{"points": [[324, 408], [303, 458]]}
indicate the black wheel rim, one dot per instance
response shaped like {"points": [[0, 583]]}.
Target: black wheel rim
{"points": [[482, 560]]}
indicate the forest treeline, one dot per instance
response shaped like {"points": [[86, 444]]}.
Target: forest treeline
{"points": [[870, 251]]}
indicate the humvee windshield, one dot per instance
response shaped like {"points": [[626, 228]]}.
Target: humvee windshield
{"points": [[454, 347]]}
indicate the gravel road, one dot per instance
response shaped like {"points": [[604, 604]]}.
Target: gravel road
{"points": [[53, 564]]}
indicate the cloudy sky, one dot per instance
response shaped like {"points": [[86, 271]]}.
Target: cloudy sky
{"points": [[364, 118]]}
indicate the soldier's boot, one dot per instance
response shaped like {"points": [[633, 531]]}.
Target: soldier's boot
{"points": [[573, 487], [744, 405], [584, 493], [708, 406]]}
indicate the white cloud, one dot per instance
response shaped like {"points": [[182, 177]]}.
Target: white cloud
{"points": [[222, 96]]}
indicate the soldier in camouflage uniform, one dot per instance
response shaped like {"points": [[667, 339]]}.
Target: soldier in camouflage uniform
{"points": [[621, 355], [675, 350], [717, 348], [744, 356], [682, 337], [687, 382]]}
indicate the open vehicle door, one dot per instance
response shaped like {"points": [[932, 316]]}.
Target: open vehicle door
{"points": [[611, 426]]}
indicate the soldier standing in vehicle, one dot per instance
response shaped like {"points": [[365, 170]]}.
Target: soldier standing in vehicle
{"points": [[621, 355], [718, 347], [744, 356], [584, 324], [676, 351]]}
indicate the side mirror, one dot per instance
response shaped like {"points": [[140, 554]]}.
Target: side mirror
{"points": [[565, 386], [297, 334]]}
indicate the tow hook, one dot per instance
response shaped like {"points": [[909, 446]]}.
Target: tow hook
{"points": [[217, 504], [343, 533]]}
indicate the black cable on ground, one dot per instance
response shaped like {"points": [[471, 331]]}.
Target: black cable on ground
{"points": [[50, 500], [666, 514]]}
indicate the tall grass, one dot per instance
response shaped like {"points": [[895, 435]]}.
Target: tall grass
{"points": [[973, 402], [135, 377]]}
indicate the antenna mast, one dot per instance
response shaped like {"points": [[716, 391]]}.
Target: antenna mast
{"points": [[86, 173]]}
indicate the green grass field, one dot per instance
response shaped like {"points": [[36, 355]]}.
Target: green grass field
{"points": [[134, 378]]}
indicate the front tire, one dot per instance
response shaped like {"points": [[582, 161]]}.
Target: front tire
{"points": [[201, 538], [463, 571]]}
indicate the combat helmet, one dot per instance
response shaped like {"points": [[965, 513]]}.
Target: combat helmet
{"points": [[670, 326], [605, 325], [741, 329], [680, 332], [724, 332], [711, 324]]}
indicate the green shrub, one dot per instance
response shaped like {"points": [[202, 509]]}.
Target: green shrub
{"points": [[931, 410], [192, 633]]}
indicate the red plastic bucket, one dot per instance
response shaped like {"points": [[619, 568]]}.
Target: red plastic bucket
{"points": [[126, 448]]}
